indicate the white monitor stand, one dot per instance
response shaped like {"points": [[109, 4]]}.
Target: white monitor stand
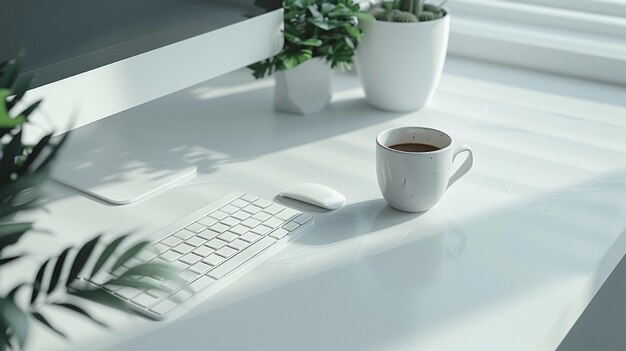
{"points": [[107, 163]]}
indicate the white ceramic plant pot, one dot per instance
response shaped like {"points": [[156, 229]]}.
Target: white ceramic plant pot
{"points": [[305, 89], [400, 63]]}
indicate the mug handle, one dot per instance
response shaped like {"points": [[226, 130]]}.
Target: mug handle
{"points": [[467, 164]]}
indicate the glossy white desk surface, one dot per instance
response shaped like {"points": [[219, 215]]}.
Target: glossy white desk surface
{"points": [[508, 260]]}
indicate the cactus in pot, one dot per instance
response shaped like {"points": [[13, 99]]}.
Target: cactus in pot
{"points": [[410, 38], [407, 11]]}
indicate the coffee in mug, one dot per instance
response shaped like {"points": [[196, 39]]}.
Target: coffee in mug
{"points": [[413, 166]]}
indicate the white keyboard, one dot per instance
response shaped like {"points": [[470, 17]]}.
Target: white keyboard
{"points": [[210, 247]]}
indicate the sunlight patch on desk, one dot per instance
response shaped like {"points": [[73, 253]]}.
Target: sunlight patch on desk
{"points": [[208, 92]]}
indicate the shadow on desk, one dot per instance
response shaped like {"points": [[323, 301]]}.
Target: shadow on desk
{"points": [[225, 120]]}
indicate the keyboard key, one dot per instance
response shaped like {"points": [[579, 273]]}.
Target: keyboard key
{"points": [[169, 285], [150, 280], [229, 209], [160, 248], [219, 227], [182, 296], [274, 209], [145, 255], [208, 234], [188, 276], [291, 226], [100, 278], [207, 221], [238, 244], [226, 251], [128, 292], [252, 209], [196, 241], [240, 203], [170, 255], [242, 257], [203, 251], [219, 215], [241, 215], [230, 221], [274, 222], [287, 213], [250, 237], [251, 222], [249, 198], [239, 229], [196, 227], [184, 234], [180, 265], [201, 283], [159, 260], [112, 288], [163, 307], [303, 218], [279, 233], [216, 244], [228, 236], [183, 248], [213, 260], [156, 293], [262, 203], [190, 258], [262, 216], [144, 300], [200, 268], [171, 241], [262, 229]]}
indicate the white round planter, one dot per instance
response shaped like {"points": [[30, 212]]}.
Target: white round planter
{"points": [[400, 63], [304, 89]]}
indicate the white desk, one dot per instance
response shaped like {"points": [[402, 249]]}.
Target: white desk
{"points": [[508, 260]]}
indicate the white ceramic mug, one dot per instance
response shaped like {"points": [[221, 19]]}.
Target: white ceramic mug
{"points": [[415, 181]]}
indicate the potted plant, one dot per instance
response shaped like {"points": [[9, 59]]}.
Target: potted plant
{"points": [[23, 168], [320, 35], [402, 53]]}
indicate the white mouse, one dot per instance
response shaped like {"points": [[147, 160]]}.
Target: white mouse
{"points": [[315, 194]]}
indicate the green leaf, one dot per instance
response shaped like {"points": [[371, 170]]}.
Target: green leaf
{"points": [[6, 121], [10, 233], [20, 90], [13, 318], [30, 109], [362, 16], [38, 316], [32, 156], [290, 62], [13, 292], [58, 267], [81, 259], [37, 282], [108, 251], [311, 42], [6, 260], [11, 71], [128, 254], [53, 152], [105, 298], [11, 150], [79, 310]]}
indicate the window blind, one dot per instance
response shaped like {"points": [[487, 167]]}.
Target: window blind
{"points": [[582, 38]]}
